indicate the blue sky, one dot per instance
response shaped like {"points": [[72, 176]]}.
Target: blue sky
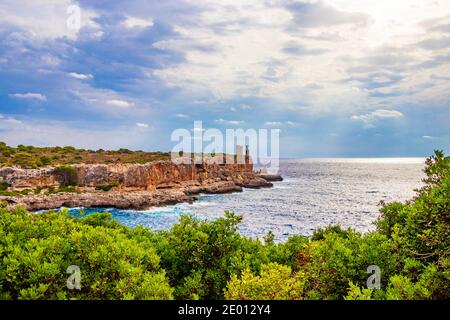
{"points": [[338, 77]]}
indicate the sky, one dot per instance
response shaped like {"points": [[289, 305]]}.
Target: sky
{"points": [[339, 78]]}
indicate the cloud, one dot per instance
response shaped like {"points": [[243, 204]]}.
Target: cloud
{"points": [[381, 113], [434, 44], [370, 118], [273, 123], [80, 76], [279, 123], [29, 95], [437, 25], [50, 22], [229, 122], [427, 137], [241, 107], [133, 22], [12, 121], [119, 103], [317, 14], [445, 28], [142, 125], [320, 61], [301, 50]]}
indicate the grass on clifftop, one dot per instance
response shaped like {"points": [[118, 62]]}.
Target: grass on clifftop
{"points": [[29, 157]]}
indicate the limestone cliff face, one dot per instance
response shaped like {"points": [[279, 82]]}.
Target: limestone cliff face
{"points": [[150, 176], [28, 178], [136, 186]]}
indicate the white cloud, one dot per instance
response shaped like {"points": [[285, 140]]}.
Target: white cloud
{"points": [[80, 76], [381, 113], [141, 125], [253, 63], [273, 123], [12, 121], [427, 137], [133, 22], [370, 118], [241, 107], [44, 19], [119, 103], [279, 123], [229, 122], [29, 95], [182, 116], [5, 122]]}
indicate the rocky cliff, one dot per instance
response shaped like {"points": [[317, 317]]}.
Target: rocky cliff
{"points": [[129, 185]]}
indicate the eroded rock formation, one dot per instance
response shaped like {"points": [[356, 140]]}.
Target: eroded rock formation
{"points": [[136, 186]]}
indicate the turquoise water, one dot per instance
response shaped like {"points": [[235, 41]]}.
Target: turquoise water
{"points": [[315, 193]]}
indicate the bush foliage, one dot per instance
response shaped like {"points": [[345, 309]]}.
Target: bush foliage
{"points": [[198, 259], [30, 157]]}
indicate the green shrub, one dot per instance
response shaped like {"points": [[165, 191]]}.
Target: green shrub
{"points": [[107, 187], [420, 229], [24, 160], [200, 256], [38, 249], [45, 160], [67, 175], [4, 185], [276, 282]]}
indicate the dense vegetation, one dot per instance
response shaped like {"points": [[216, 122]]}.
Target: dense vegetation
{"points": [[210, 260], [34, 157]]}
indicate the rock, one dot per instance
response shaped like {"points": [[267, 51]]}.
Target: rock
{"points": [[139, 186], [257, 183], [167, 185], [271, 177], [121, 200]]}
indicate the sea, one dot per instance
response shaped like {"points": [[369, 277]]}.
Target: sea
{"points": [[314, 193]]}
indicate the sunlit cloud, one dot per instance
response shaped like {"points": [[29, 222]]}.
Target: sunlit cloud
{"points": [[119, 103], [80, 76], [29, 95]]}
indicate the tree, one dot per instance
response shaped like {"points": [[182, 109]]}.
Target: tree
{"points": [[67, 175]]}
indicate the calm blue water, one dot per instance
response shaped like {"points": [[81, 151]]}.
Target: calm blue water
{"points": [[315, 193]]}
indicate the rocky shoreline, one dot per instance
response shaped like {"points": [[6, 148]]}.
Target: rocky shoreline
{"points": [[165, 192]]}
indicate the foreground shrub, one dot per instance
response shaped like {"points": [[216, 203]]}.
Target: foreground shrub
{"points": [[276, 282], [201, 256], [197, 255], [36, 250], [420, 230]]}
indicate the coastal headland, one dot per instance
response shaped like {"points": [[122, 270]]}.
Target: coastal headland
{"points": [[124, 185]]}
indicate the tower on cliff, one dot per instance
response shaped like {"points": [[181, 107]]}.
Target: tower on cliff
{"points": [[247, 155]]}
